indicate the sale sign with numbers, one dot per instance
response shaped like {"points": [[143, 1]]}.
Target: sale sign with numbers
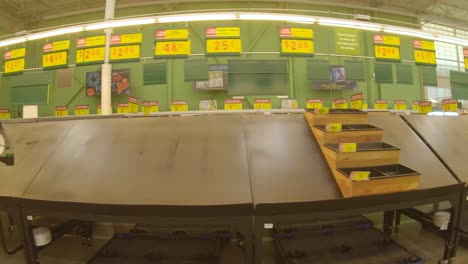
{"points": [[90, 55], [387, 53], [223, 46], [357, 101], [122, 108], [262, 104], [179, 106], [233, 104], [449, 105], [149, 107], [381, 105], [124, 53], [82, 110], [314, 103], [423, 57], [425, 107], [55, 60], [14, 66], [303, 47], [172, 48], [61, 111], [132, 104], [400, 104], [415, 105]]}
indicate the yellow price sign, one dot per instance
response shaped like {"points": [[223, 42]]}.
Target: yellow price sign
{"points": [[55, 59], [314, 103], [387, 40], [322, 110], [14, 54], [132, 108], [297, 46], [5, 114], [381, 104], [333, 127], [449, 105], [149, 107], [56, 46], [424, 44], [90, 55], [262, 104], [126, 38], [128, 52], [347, 147], [122, 108], [179, 106], [172, 34], [82, 110], [288, 32], [61, 111], [425, 107], [91, 41], [400, 105], [359, 175], [466, 64], [387, 52], [14, 66], [233, 104], [172, 48], [223, 46], [425, 57], [357, 101], [222, 32], [415, 105]]}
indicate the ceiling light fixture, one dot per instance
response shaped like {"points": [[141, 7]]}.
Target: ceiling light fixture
{"points": [[11, 41], [120, 23], [197, 17], [56, 32], [276, 17]]}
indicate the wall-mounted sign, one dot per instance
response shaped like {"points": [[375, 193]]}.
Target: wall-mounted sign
{"points": [[303, 47], [132, 104], [262, 104], [126, 39], [415, 105], [400, 105], [16, 53], [381, 105], [122, 108], [424, 44], [56, 46], [61, 111], [223, 46], [233, 104], [449, 105], [90, 55], [357, 101], [314, 103], [169, 34], [289, 32], [387, 53], [149, 107], [423, 57], [347, 41], [120, 82], [5, 114], [124, 53], [217, 78], [340, 103], [208, 105], [179, 106], [223, 32], [288, 104], [386, 40], [14, 66], [425, 107], [172, 48], [81, 110], [55, 60], [94, 41]]}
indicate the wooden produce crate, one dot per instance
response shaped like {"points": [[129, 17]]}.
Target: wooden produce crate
{"points": [[343, 116], [383, 179], [350, 133]]}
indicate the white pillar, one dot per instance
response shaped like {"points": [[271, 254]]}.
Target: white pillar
{"points": [[106, 93]]}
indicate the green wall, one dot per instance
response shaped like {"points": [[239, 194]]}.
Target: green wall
{"points": [[256, 37]]}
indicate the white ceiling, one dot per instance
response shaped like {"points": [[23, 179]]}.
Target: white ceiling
{"points": [[18, 15]]}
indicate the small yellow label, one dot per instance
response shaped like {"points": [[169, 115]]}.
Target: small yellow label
{"points": [[127, 52], [233, 104], [359, 175], [12, 66], [311, 105], [449, 105], [347, 147], [132, 108], [5, 114], [425, 57], [81, 110], [323, 110], [122, 109], [55, 59], [179, 106], [357, 104], [333, 127], [61, 111], [381, 105], [262, 104]]}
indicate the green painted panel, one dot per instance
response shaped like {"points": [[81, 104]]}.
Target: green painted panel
{"points": [[458, 77], [429, 76], [404, 73], [196, 70], [154, 73], [459, 91], [383, 72], [30, 95], [318, 70], [355, 70]]}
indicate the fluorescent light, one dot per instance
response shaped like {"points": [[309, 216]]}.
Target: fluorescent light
{"points": [[277, 17], [458, 41], [56, 32], [409, 32], [11, 41], [198, 17], [120, 23], [350, 24]]}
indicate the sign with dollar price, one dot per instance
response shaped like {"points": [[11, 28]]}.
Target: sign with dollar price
{"points": [[55, 60], [314, 103], [262, 104], [172, 48], [425, 107], [14, 66], [233, 104], [90, 55], [223, 46], [149, 107], [82, 110], [449, 105], [400, 105], [124, 53], [424, 57], [381, 105], [61, 111], [304, 47], [340, 103], [179, 106], [387, 53]]}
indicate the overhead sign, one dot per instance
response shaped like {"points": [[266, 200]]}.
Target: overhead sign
{"points": [[424, 44], [213, 32], [90, 55], [303, 47], [56, 46], [223, 46], [124, 53], [424, 57], [126, 39], [55, 60], [289, 32], [14, 66], [386, 40], [172, 48], [91, 41], [170, 34], [314, 103], [16, 53], [387, 53], [347, 41]]}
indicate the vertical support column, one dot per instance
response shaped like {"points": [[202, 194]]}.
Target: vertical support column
{"points": [[106, 100]]}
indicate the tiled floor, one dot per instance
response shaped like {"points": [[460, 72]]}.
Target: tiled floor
{"points": [[421, 242]]}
